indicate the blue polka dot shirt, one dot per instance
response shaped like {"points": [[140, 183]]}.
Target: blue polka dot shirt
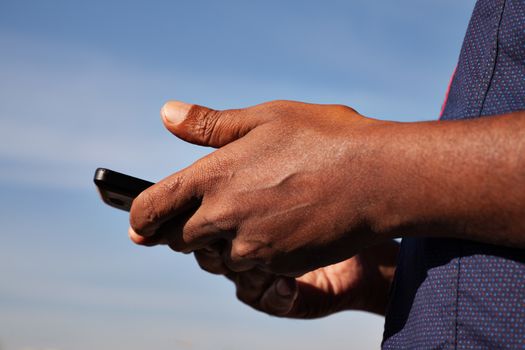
{"points": [[457, 294]]}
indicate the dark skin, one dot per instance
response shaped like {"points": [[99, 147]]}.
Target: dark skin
{"points": [[359, 283], [305, 199]]}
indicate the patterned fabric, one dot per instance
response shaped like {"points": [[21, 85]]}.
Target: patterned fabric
{"points": [[457, 294]]}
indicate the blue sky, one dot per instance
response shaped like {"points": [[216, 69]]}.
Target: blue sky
{"points": [[81, 85]]}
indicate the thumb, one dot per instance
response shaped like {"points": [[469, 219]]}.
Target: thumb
{"points": [[208, 127]]}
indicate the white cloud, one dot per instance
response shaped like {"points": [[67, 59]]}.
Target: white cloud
{"points": [[94, 108], [62, 117]]}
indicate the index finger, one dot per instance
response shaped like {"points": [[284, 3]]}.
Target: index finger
{"points": [[167, 199]]}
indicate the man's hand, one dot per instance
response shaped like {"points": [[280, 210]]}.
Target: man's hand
{"points": [[359, 283], [297, 186], [287, 192]]}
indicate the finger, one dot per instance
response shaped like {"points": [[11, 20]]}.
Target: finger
{"points": [[167, 199], [198, 229], [280, 298], [312, 301], [250, 286], [208, 127], [145, 241], [235, 258], [210, 260]]}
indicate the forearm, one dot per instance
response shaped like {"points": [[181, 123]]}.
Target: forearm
{"points": [[462, 179]]}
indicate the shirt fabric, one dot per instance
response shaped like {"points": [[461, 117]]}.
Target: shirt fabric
{"points": [[458, 294]]}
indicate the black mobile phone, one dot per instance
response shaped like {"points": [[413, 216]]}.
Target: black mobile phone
{"points": [[118, 190]]}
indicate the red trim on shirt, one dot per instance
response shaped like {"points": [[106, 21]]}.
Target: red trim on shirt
{"points": [[446, 95]]}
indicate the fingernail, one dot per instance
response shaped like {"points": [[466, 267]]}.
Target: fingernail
{"points": [[175, 112], [282, 287]]}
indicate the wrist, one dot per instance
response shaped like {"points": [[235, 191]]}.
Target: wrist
{"points": [[377, 174], [420, 187], [397, 180]]}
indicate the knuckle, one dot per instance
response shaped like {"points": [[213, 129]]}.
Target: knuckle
{"points": [[237, 265], [271, 109], [250, 244], [241, 250], [219, 219], [144, 214], [343, 108], [284, 110], [242, 256], [190, 235], [278, 103], [274, 103], [171, 184], [276, 107], [203, 122]]}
